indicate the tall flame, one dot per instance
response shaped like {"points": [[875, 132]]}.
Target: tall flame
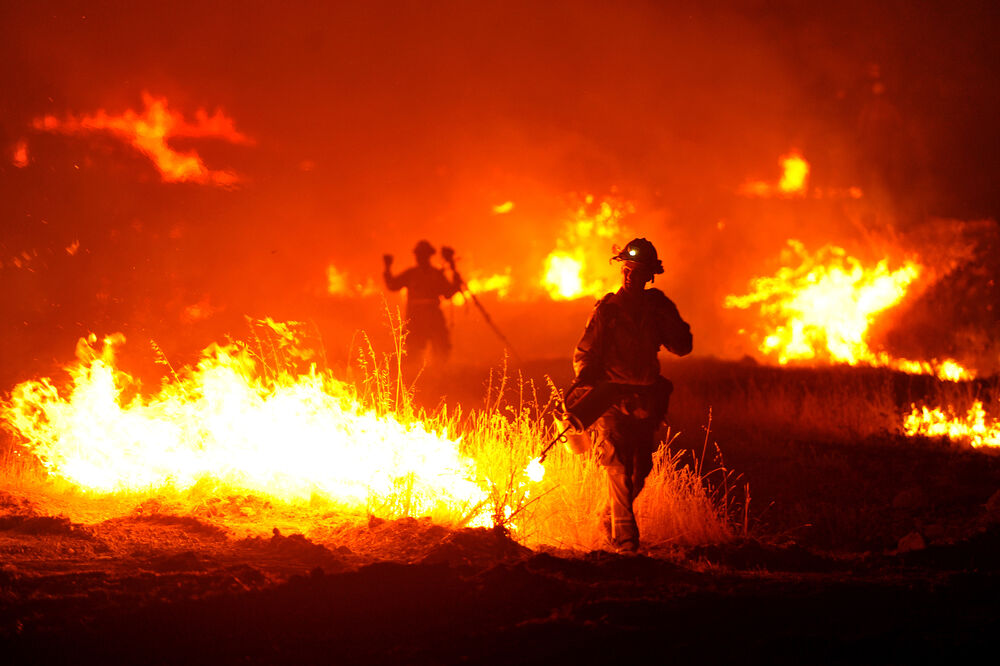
{"points": [[150, 131], [232, 422], [822, 308]]}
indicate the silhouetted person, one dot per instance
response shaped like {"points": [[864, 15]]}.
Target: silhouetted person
{"points": [[425, 286], [620, 343]]}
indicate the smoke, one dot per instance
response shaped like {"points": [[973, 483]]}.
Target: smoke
{"points": [[380, 123]]}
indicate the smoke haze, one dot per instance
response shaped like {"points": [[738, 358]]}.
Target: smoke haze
{"points": [[375, 124]]}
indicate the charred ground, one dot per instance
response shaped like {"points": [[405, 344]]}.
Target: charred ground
{"points": [[862, 545]]}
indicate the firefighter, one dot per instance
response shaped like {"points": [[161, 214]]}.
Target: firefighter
{"points": [[425, 286], [620, 344]]}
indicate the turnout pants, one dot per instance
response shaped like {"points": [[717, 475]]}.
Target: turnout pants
{"points": [[624, 447]]}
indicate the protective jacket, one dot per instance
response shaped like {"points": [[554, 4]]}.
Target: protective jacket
{"points": [[625, 333], [425, 286], [619, 345]]}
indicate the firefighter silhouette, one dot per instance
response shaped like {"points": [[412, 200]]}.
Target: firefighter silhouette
{"points": [[620, 343], [425, 286]]}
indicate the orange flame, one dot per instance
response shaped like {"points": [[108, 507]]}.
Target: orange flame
{"points": [[822, 309], [235, 422], [340, 283], [498, 283], [794, 179], [794, 174], [794, 183], [579, 267], [972, 429], [21, 154], [150, 131]]}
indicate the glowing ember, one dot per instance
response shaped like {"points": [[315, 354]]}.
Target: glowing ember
{"points": [[233, 422], [504, 208], [579, 267], [821, 310], [972, 429], [20, 159], [150, 131]]}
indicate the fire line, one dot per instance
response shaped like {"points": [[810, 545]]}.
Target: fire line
{"points": [[149, 132]]}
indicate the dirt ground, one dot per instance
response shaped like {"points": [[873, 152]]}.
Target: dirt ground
{"points": [[879, 549]]}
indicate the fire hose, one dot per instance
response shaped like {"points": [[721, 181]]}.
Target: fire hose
{"points": [[448, 254]]}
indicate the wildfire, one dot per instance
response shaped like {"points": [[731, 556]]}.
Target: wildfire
{"points": [[972, 428], [794, 183], [498, 283], [336, 281], [822, 309], [794, 179], [150, 131], [20, 159], [574, 268], [234, 421], [340, 283]]}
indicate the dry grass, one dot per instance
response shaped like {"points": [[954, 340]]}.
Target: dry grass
{"points": [[682, 503], [841, 403]]}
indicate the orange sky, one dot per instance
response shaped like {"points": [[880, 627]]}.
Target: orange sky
{"points": [[377, 123]]}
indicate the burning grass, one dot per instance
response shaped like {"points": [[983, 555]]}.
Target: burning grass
{"points": [[261, 434], [821, 310]]}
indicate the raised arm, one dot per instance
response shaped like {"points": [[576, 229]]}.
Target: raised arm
{"points": [[395, 282], [449, 288]]}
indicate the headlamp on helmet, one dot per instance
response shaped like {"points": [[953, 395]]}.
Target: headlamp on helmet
{"points": [[641, 251]]}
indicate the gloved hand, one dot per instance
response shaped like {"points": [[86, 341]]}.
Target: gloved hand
{"points": [[387, 260]]}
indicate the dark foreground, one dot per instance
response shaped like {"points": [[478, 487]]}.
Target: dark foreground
{"points": [[868, 547], [116, 593]]}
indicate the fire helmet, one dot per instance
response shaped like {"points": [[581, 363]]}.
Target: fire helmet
{"points": [[424, 249], [642, 252]]}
